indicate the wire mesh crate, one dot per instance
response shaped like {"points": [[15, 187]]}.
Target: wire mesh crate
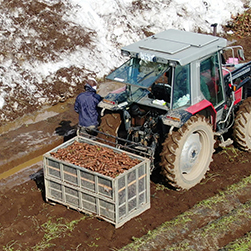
{"points": [[116, 200]]}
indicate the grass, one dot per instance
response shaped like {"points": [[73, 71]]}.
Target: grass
{"points": [[233, 154], [208, 237], [181, 222], [53, 230], [241, 244], [160, 187], [57, 228], [210, 176], [9, 246], [237, 187]]}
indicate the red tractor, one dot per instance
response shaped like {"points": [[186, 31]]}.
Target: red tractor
{"points": [[180, 93]]}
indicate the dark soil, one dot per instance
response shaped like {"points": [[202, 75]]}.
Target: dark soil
{"points": [[27, 222], [25, 216]]}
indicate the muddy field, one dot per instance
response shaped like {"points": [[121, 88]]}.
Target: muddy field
{"points": [[28, 223]]}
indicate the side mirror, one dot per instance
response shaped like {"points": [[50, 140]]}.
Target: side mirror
{"points": [[241, 54]]}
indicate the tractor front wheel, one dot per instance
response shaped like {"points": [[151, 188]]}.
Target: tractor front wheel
{"points": [[187, 153]]}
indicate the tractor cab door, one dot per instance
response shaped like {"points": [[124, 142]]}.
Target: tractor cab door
{"points": [[211, 83], [181, 86]]}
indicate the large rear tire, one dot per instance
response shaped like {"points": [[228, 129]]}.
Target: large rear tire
{"points": [[187, 153], [242, 126]]}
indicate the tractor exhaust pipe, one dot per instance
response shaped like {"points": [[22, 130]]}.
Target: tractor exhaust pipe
{"points": [[214, 28]]}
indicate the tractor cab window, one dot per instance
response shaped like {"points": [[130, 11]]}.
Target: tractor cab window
{"points": [[210, 80], [181, 86], [161, 88], [138, 72]]}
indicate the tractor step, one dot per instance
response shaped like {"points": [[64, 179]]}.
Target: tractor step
{"points": [[225, 143]]}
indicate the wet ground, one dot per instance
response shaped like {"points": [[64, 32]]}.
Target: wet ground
{"points": [[32, 223], [35, 136], [27, 222]]}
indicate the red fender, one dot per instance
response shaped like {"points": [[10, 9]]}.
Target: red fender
{"points": [[202, 105]]}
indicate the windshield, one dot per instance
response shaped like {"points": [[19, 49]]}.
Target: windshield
{"points": [[129, 93], [138, 72], [152, 83]]}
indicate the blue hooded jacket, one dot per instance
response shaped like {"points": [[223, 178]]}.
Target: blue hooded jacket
{"points": [[86, 106]]}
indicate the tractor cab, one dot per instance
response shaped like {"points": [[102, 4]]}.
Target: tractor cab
{"points": [[170, 70], [152, 83]]}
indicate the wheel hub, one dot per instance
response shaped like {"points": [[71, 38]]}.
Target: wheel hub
{"points": [[190, 153]]}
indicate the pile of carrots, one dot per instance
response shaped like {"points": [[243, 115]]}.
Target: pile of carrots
{"points": [[96, 158]]}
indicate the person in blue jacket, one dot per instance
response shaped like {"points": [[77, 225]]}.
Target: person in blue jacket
{"points": [[86, 106]]}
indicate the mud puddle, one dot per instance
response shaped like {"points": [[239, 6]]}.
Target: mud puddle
{"points": [[16, 169], [24, 141], [16, 177], [32, 136], [43, 114]]}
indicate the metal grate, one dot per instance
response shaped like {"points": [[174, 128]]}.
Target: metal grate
{"points": [[116, 200]]}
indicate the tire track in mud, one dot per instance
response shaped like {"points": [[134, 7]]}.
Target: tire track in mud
{"points": [[210, 225], [243, 243], [215, 235]]}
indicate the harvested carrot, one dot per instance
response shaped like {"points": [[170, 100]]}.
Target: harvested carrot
{"points": [[96, 158]]}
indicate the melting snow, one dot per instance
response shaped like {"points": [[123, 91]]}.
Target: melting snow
{"points": [[115, 23]]}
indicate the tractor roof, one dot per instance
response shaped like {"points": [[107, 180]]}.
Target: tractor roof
{"points": [[176, 45]]}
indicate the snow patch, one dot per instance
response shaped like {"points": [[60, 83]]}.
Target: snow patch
{"points": [[116, 23]]}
